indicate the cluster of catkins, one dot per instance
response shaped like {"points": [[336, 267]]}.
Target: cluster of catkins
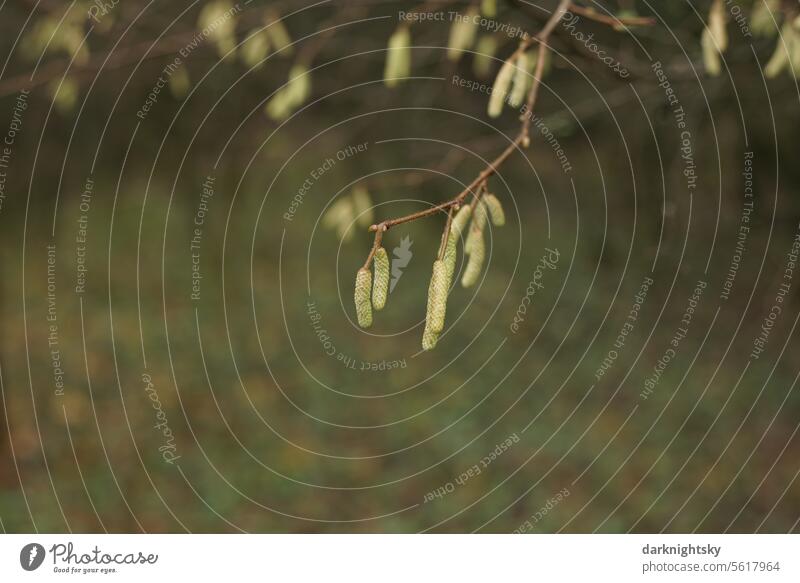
{"points": [[371, 291]]}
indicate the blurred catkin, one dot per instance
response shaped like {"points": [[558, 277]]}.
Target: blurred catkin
{"points": [[451, 254], [476, 228], [398, 57], [461, 219], [500, 89], [429, 339], [520, 86], [462, 35]]}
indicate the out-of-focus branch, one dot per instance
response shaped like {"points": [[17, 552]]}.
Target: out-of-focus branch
{"points": [[522, 138]]}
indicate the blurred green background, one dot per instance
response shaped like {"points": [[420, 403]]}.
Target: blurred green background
{"points": [[245, 409]]}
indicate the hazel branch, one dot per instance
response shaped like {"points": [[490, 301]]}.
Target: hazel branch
{"points": [[521, 139]]}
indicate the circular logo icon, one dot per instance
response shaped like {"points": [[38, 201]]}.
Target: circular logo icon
{"points": [[31, 556]]}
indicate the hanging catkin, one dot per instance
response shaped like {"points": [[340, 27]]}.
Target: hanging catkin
{"points": [[495, 209], [717, 25], [477, 255], [429, 339], [398, 57], [462, 34], [783, 48], [461, 219], [451, 254], [489, 8], [484, 55], [520, 86], [711, 58], [500, 89], [476, 228], [362, 297], [380, 288], [278, 35], [437, 298]]}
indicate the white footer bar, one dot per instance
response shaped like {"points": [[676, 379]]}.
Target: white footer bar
{"points": [[402, 558]]}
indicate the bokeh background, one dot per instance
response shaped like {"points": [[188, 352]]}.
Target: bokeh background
{"points": [[256, 404]]}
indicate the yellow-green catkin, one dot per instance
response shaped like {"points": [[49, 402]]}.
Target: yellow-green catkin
{"points": [[179, 83], [477, 255], [255, 49], [500, 89], [485, 50], [783, 48], [717, 25], [714, 41], [437, 298], [476, 228], [278, 35], [65, 94], [495, 209], [624, 14], [362, 297], [429, 339], [762, 21], [299, 87], [520, 85], [380, 287], [293, 95], [489, 8], [451, 254], [398, 57], [711, 59], [461, 219], [362, 203], [462, 34]]}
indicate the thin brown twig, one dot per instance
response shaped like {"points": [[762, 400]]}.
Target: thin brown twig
{"points": [[593, 14]]}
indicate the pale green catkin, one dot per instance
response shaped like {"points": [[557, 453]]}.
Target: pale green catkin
{"points": [[279, 37], [484, 55], [255, 50], [476, 228], [520, 86], [450, 255], [476, 258], [783, 49], [714, 40], [429, 339], [299, 87], [380, 287], [462, 35], [711, 59], [500, 89], [292, 96], [762, 21], [437, 298], [495, 209], [398, 57], [362, 297], [362, 203]]}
